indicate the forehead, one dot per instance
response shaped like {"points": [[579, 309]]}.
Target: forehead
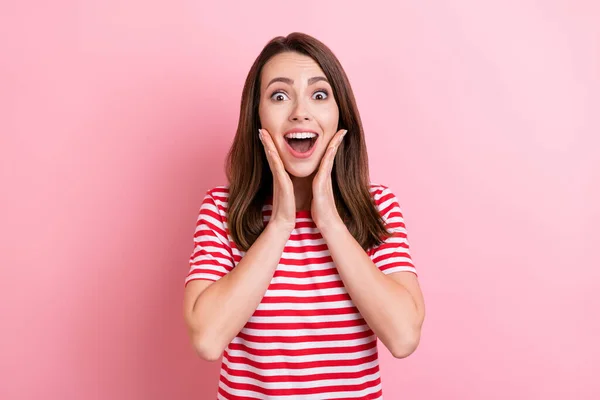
{"points": [[291, 65]]}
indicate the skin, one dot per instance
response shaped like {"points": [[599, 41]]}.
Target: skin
{"points": [[300, 105]]}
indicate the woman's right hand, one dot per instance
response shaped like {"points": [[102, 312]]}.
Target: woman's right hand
{"points": [[284, 202]]}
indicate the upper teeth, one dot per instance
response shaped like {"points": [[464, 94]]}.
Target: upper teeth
{"points": [[301, 135]]}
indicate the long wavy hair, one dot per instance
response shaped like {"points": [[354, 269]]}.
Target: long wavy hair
{"points": [[247, 169]]}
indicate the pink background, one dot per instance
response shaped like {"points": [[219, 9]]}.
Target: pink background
{"points": [[483, 117]]}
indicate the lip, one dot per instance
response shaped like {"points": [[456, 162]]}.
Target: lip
{"points": [[302, 155], [294, 152]]}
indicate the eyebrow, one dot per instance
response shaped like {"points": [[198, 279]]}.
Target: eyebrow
{"points": [[291, 81]]}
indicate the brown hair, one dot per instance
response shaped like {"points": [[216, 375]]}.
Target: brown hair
{"points": [[250, 178]]}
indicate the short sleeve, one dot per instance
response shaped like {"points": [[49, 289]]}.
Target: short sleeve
{"points": [[212, 256], [393, 255]]}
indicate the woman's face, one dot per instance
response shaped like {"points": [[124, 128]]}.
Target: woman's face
{"points": [[302, 100]]}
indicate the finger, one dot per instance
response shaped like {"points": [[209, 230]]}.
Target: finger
{"points": [[270, 147], [262, 136], [336, 141], [340, 136], [277, 166], [332, 151]]}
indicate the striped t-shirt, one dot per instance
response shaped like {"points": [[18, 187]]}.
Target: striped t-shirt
{"points": [[306, 339]]}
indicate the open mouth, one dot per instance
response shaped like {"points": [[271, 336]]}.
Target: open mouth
{"points": [[301, 146]]}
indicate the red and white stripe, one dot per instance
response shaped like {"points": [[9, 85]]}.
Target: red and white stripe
{"points": [[306, 339]]}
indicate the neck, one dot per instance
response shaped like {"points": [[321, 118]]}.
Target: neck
{"points": [[303, 191]]}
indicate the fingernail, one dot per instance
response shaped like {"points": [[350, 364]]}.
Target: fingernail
{"points": [[260, 135]]}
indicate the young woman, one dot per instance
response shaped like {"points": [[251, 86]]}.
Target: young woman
{"points": [[300, 263]]}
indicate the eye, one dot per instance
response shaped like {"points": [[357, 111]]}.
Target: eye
{"points": [[322, 91], [279, 93]]}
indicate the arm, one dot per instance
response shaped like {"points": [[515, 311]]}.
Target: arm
{"points": [[220, 310], [392, 305]]}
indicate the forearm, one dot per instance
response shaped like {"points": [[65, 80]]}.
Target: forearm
{"points": [[222, 310], [387, 307]]}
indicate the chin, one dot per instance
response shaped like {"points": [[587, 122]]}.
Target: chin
{"points": [[300, 170]]}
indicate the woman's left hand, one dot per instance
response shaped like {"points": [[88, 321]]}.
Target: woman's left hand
{"points": [[323, 208]]}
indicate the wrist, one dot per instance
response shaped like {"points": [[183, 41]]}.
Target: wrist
{"points": [[331, 226], [280, 228]]}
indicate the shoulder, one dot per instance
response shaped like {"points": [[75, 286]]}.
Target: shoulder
{"points": [[216, 197], [218, 193], [380, 193], [385, 199]]}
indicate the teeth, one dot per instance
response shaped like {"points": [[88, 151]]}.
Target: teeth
{"points": [[300, 135]]}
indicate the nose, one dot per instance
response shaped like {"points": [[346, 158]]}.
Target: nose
{"points": [[299, 112]]}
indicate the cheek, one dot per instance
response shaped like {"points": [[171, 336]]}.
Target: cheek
{"points": [[263, 115], [271, 117], [328, 119]]}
